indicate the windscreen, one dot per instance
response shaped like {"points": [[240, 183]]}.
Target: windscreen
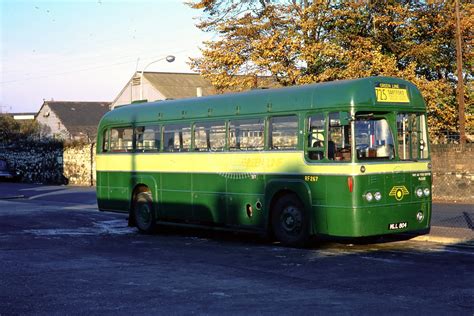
{"points": [[374, 139]]}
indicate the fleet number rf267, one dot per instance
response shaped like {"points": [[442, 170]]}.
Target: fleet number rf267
{"points": [[311, 178]]}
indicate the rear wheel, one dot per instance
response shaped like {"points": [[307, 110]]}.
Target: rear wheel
{"points": [[290, 221], [145, 218]]}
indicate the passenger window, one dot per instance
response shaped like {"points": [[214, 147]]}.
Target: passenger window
{"points": [[176, 137], [246, 134], [209, 136], [105, 141], [121, 139], [339, 141], [316, 136], [284, 132], [148, 138]]}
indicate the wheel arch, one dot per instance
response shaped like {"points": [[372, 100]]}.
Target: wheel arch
{"points": [[139, 188], [276, 189]]}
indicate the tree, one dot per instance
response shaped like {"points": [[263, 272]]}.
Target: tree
{"points": [[12, 130], [303, 41]]}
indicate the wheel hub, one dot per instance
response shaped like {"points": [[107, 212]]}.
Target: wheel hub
{"points": [[144, 214], [291, 220]]}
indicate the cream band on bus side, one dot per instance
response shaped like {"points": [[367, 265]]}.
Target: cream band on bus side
{"points": [[244, 165]]}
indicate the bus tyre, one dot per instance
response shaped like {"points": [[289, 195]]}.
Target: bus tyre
{"points": [[290, 221], [143, 213]]}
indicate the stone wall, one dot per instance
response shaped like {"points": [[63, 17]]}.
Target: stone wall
{"points": [[36, 162], [79, 164], [52, 162], [453, 172]]}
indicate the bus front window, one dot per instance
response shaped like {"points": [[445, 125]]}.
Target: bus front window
{"points": [[412, 136], [374, 139], [339, 140]]}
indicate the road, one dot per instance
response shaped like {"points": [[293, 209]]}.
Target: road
{"points": [[59, 255]]}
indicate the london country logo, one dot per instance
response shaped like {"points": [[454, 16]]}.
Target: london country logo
{"points": [[399, 192]]}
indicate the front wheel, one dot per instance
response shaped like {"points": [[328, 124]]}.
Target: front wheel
{"points": [[144, 214], [290, 221]]}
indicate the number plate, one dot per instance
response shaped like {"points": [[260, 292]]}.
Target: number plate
{"points": [[394, 93], [396, 226]]}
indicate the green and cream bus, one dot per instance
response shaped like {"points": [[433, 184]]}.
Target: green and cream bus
{"points": [[346, 158]]}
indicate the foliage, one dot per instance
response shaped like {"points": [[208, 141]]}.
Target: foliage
{"points": [[12, 130], [304, 41]]}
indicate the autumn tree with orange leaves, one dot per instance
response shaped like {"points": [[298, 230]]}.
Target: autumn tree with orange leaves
{"points": [[303, 41]]}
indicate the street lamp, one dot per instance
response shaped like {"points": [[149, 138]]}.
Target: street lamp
{"points": [[169, 58]]}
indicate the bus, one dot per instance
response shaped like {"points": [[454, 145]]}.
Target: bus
{"points": [[348, 158]]}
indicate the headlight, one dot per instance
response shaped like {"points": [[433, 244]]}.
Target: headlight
{"points": [[369, 197], [426, 191], [419, 193], [378, 196]]}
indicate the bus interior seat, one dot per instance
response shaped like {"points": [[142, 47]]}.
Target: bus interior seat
{"points": [[331, 150]]}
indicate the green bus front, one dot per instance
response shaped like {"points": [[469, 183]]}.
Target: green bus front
{"points": [[385, 181]]}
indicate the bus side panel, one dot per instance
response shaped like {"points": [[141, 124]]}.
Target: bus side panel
{"points": [[244, 190], [176, 203], [318, 187], [102, 190], [119, 191], [209, 198]]}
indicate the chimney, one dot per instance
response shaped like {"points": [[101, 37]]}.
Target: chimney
{"points": [[199, 92]]}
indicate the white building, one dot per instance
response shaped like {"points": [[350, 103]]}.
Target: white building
{"points": [[162, 86]]}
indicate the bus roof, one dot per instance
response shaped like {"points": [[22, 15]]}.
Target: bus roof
{"points": [[343, 95]]}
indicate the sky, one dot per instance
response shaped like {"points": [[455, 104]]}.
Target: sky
{"points": [[87, 50]]}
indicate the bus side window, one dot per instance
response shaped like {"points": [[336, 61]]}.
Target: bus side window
{"points": [[339, 141], [246, 134], [139, 138], [283, 132], [176, 138], [148, 138], [316, 136], [209, 136], [121, 139], [105, 141]]}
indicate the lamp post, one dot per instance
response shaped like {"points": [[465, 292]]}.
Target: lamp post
{"points": [[169, 58]]}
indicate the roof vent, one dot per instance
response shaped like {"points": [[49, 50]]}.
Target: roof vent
{"points": [[136, 81]]}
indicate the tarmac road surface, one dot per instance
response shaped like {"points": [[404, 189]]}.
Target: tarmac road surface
{"points": [[59, 255]]}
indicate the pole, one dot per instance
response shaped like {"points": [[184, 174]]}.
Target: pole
{"points": [[460, 88], [169, 58]]}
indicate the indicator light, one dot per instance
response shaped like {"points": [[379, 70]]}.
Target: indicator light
{"points": [[350, 183]]}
